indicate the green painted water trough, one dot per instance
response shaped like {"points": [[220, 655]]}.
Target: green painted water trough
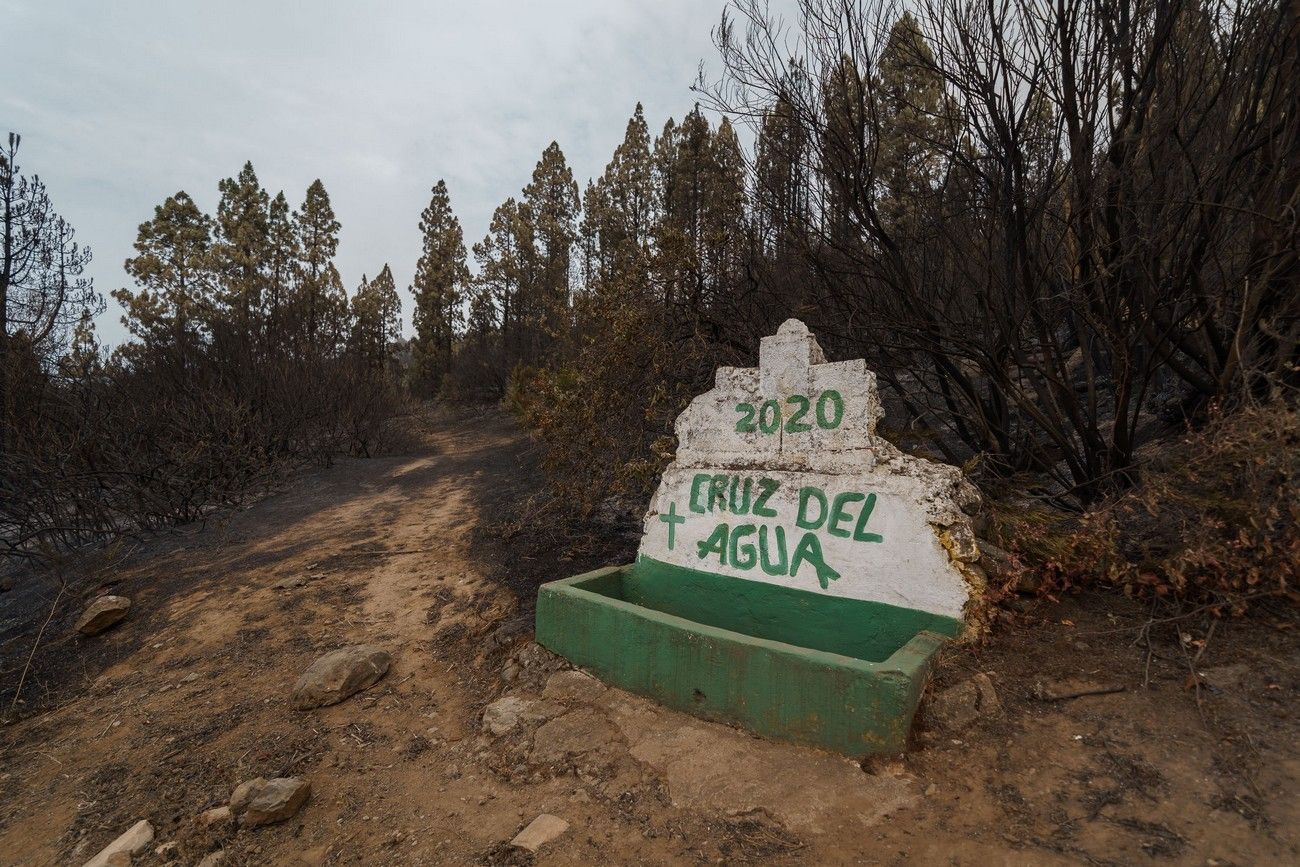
{"points": [[831, 672]]}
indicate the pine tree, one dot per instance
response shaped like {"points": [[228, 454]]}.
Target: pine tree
{"points": [[844, 141], [282, 268], [482, 321], [781, 184], [701, 181], [321, 302], [593, 268], [503, 257], [550, 209], [240, 250], [439, 287], [376, 320], [910, 120], [173, 269], [619, 212], [42, 290], [723, 236]]}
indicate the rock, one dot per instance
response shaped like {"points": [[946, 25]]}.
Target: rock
{"points": [[217, 817], [314, 857], [104, 612], [290, 583], [960, 541], [136, 838], [959, 706], [244, 793], [1028, 582], [166, 848], [1000, 565], [338, 674], [212, 859], [578, 733], [533, 657], [573, 686], [278, 800], [503, 714], [506, 713], [539, 832], [991, 555]]}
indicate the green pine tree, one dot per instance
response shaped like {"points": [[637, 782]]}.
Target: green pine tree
{"points": [[439, 287], [172, 267], [910, 90], [321, 302], [282, 268], [550, 209], [503, 258], [240, 251], [619, 214], [376, 320]]}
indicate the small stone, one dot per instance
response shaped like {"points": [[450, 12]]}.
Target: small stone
{"points": [[502, 715], [314, 857], [959, 706], [212, 859], [278, 800], [506, 713], [136, 838], [573, 686], [290, 583], [533, 657], [104, 612], [190, 678], [217, 817], [244, 793], [539, 832], [339, 674], [960, 541], [166, 848]]}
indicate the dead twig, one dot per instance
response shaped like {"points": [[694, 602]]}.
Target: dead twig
{"points": [[63, 586], [1206, 643], [1045, 695]]}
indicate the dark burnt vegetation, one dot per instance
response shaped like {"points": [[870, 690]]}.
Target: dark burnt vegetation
{"points": [[247, 359]]}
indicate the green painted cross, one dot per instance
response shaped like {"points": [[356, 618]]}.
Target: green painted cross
{"points": [[672, 519]]}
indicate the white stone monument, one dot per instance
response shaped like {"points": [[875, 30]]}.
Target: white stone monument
{"points": [[780, 478]]}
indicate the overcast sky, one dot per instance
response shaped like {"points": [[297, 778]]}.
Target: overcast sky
{"points": [[123, 103]]}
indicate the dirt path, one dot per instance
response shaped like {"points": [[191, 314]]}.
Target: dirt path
{"points": [[162, 716]]}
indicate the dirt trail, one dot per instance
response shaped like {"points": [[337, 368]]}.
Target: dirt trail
{"points": [[161, 717]]}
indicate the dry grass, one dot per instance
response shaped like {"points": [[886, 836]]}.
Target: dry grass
{"points": [[1214, 519]]}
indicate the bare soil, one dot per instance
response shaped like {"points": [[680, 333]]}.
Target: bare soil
{"points": [[434, 556]]}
